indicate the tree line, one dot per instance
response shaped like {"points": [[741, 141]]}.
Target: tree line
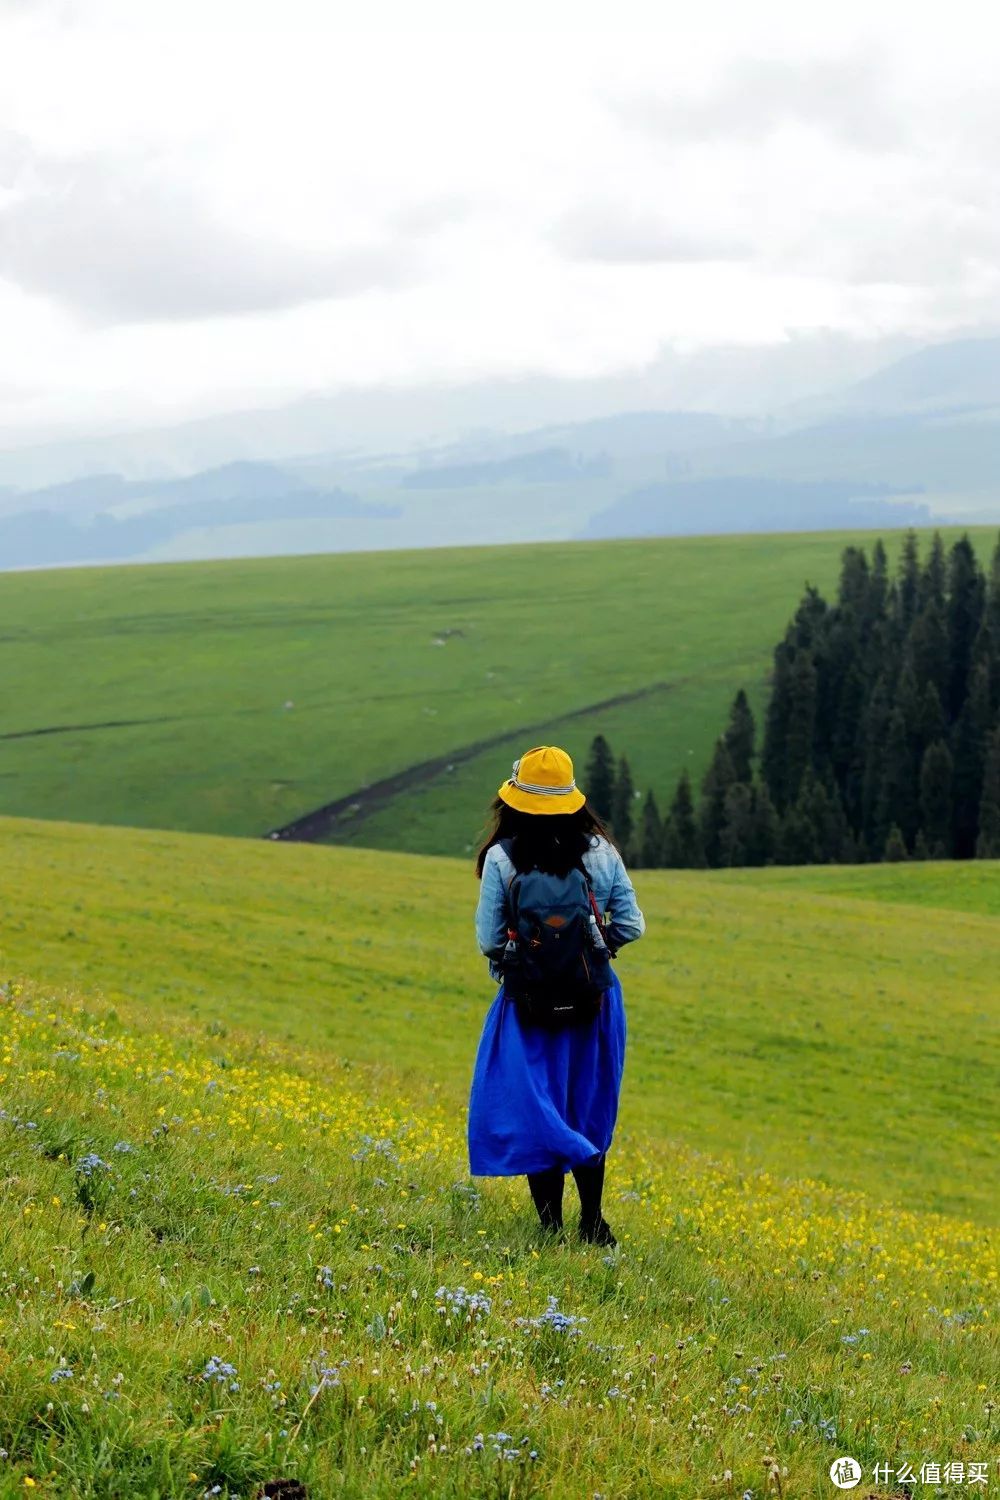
{"points": [[881, 731]]}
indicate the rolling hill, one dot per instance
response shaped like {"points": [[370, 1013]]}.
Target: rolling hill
{"points": [[244, 1257], [762, 1015], [240, 697]]}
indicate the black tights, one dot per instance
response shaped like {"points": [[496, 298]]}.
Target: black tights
{"points": [[547, 1194]]}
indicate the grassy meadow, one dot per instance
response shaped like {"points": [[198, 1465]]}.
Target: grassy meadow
{"points": [[241, 1245], [235, 697], [241, 1251]]}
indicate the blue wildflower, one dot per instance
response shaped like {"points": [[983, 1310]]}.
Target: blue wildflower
{"points": [[91, 1163], [459, 1300], [561, 1322], [218, 1370]]}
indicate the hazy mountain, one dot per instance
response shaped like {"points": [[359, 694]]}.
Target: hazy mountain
{"points": [[948, 378], [742, 380], [916, 441], [90, 493], [538, 466], [236, 496], [695, 507]]}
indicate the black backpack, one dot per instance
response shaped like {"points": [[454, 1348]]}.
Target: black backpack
{"points": [[556, 965]]}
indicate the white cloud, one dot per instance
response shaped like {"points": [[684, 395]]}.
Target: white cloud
{"points": [[848, 97], [620, 234], [206, 201], [114, 240]]}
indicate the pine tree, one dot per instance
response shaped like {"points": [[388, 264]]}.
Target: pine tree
{"points": [[895, 846], [988, 842], [875, 730], [621, 807], [737, 826], [893, 612], [797, 843], [810, 619], [931, 724], [651, 835], [969, 743], [772, 763], [600, 782], [712, 811], [991, 624], [993, 591], [763, 842], [935, 799], [928, 650], [934, 575], [986, 653], [897, 805], [820, 807], [801, 722], [847, 744], [855, 580], [838, 839], [878, 590], [909, 704], [739, 737], [908, 700], [681, 844], [966, 598], [790, 705], [909, 580]]}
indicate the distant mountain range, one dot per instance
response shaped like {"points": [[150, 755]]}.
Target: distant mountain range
{"points": [[961, 375], [915, 442], [692, 507]]}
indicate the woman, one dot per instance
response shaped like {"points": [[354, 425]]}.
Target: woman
{"points": [[542, 1101]]}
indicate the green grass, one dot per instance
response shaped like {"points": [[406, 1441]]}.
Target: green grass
{"points": [[851, 1040], [954, 885], [189, 667], [268, 1048]]}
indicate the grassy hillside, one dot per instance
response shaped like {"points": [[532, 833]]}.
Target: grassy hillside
{"points": [[972, 887], [240, 1240], [851, 1040], [157, 696]]}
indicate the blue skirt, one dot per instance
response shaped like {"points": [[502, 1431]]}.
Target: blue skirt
{"points": [[542, 1099]]}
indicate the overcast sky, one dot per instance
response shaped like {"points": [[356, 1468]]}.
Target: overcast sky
{"points": [[209, 202]]}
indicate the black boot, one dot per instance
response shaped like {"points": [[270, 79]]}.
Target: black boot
{"points": [[547, 1195], [594, 1228]]}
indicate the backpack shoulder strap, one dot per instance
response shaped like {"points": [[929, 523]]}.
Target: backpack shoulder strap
{"points": [[590, 895]]}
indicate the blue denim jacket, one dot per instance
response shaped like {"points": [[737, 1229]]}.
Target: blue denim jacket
{"points": [[613, 893]]}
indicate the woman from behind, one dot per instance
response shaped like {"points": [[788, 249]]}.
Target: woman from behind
{"points": [[544, 1099]]}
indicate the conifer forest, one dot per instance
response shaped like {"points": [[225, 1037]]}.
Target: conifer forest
{"points": [[880, 737]]}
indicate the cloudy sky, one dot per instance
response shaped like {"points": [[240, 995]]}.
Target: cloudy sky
{"points": [[205, 203]]}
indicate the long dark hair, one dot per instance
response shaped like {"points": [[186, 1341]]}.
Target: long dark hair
{"points": [[555, 842]]}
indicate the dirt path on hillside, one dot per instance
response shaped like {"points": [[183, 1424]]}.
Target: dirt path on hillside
{"points": [[30, 734], [361, 804]]}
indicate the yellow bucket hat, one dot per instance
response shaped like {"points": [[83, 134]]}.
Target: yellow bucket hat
{"points": [[542, 782]]}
